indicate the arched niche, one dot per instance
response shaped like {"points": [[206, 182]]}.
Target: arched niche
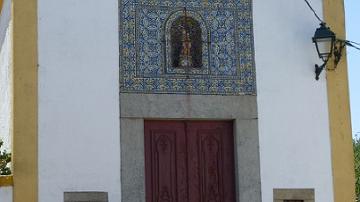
{"points": [[176, 42]]}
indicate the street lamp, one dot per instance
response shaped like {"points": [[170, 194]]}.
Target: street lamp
{"points": [[324, 40]]}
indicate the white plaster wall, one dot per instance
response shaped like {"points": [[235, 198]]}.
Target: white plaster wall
{"points": [[6, 194], [79, 146], [5, 89], [293, 112], [79, 109]]}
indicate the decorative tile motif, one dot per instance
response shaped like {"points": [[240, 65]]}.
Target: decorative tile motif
{"points": [[227, 50]]}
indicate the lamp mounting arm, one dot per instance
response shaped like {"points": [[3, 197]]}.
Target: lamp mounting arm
{"points": [[338, 50], [319, 69]]}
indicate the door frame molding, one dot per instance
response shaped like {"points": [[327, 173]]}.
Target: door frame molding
{"points": [[135, 108]]}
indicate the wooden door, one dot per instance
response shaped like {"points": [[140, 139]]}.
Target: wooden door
{"points": [[189, 161]]}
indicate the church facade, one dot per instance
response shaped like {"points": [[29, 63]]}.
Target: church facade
{"points": [[172, 101]]}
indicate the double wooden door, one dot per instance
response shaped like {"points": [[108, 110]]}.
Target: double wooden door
{"points": [[189, 161]]}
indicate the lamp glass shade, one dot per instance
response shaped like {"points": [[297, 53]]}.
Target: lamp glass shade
{"points": [[324, 47]]}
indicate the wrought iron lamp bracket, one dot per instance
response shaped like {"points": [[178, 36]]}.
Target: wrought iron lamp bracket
{"points": [[319, 69], [338, 51]]}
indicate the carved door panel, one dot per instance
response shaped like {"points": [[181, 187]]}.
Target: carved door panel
{"points": [[189, 161], [211, 161]]}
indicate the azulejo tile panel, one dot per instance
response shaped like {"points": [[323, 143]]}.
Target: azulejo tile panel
{"points": [[227, 48]]}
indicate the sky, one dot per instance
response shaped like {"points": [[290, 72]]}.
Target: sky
{"points": [[352, 10]]}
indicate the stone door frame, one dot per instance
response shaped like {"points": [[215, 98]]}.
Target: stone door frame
{"points": [[135, 108]]}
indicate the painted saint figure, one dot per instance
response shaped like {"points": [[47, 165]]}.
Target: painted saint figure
{"points": [[185, 56]]}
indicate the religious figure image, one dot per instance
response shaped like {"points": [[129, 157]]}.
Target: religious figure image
{"points": [[185, 56], [186, 43]]}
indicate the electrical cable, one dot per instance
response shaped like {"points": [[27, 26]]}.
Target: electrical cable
{"points": [[311, 8], [349, 43], [353, 42]]}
